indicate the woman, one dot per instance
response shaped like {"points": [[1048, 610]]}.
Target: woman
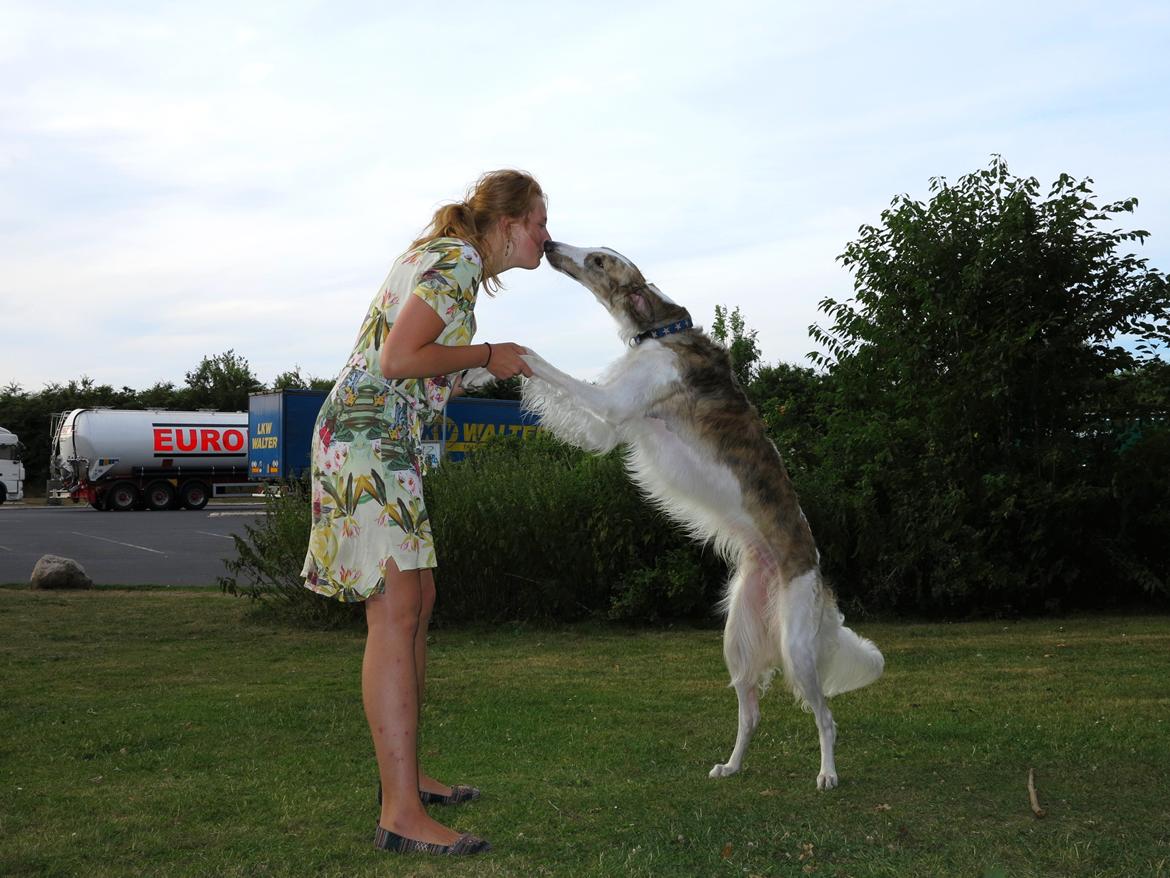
{"points": [[371, 537]]}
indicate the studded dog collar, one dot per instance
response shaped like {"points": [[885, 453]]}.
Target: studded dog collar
{"points": [[660, 331]]}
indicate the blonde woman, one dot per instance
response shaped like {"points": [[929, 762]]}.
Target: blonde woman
{"points": [[371, 536]]}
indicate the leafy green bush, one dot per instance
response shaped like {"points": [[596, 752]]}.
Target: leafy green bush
{"points": [[537, 529], [1141, 488], [267, 566], [671, 588], [524, 530]]}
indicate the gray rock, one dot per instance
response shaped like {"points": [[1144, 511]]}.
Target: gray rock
{"points": [[53, 571]]}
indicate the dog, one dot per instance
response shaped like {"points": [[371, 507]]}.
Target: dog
{"points": [[697, 448]]}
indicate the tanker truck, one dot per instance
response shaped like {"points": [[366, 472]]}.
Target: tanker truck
{"points": [[120, 460]]}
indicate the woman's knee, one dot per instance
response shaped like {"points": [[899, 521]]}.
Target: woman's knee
{"points": [[398, 608]]}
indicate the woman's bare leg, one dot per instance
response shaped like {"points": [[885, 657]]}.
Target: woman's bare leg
{"points": [[390, 693], [426, 605]]}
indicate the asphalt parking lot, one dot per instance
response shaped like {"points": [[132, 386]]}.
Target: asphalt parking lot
{"points": [[179, 547]]}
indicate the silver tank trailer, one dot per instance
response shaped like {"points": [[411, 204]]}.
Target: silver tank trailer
{"points": [[123, 459]]}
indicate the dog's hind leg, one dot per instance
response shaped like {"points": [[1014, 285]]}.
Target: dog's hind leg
{"points": [[800, 612], [749, 717], [827, 732], [745, 650]]}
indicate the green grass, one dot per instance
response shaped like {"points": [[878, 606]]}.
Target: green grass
{"points": [[165, 733]]}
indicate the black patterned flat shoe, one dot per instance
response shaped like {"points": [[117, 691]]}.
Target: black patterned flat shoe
{"points": [[385, 840], [459, 795]]}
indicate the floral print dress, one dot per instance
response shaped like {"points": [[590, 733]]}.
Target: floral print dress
{"points": [[367, 455]]}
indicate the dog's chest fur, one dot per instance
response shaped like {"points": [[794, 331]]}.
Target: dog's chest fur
{"points": [[702, 451]]}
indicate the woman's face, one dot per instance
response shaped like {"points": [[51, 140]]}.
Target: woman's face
{"points": [[528, 235]]}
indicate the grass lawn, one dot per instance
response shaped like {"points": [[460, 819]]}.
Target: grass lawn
{"points": [[165, 733]]}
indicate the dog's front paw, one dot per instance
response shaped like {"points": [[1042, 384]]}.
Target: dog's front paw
{"points": [[536, 363], [826, 781], [476, 377], [723, 770], [536, 395]]}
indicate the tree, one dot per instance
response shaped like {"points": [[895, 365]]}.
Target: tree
{"points": [[222, 382], [30, 416], [729, 330], [791, 400], [161, 395], [294, 380], [975, 376]]}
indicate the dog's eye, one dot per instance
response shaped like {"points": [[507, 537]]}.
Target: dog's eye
{"points": [[595, 260]]}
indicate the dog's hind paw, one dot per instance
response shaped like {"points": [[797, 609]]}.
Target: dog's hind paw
{"points": [[826, 781], [723, 770]]}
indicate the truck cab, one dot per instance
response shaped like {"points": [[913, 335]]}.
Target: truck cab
{"points": [[11, 469]]}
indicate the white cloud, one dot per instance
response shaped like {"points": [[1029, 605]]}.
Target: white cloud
{"points": [[178, 181]]}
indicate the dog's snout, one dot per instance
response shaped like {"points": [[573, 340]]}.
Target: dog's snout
{"points": [[549, 246]]}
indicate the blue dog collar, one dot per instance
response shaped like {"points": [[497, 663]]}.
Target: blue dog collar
{"points": [[660, 331]]}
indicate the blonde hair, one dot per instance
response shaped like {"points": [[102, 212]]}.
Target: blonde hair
{"points": [[496, 194]]}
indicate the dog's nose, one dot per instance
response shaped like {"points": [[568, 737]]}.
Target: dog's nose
{"points": [[549, 246]]}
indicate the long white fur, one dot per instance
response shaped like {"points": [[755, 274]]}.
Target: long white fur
{"points": [[794, 626]]}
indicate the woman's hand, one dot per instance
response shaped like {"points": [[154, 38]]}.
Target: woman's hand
{"points": [[505, 360]]}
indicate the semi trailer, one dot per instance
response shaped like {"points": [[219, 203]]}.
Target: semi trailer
{"points": [[118, 459], [280, 426]]}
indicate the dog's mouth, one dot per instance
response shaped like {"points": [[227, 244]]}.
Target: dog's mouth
{"points": [[552, 249], [564, 258]]}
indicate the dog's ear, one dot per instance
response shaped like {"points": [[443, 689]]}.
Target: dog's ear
{"points": [[641, 304]]}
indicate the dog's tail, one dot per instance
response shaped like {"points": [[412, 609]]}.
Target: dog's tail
{"points": [[846, 661]]}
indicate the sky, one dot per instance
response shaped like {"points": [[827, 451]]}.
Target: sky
{"points": [[182, 179]]}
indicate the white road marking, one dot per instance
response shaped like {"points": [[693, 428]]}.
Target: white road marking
{"points": [[223, 514], [118, 542], [210, 534], [5, 548]]}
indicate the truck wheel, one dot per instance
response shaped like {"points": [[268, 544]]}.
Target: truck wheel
{"points": [[194, 495], [3, 492], [160, 496], [122, 497]]}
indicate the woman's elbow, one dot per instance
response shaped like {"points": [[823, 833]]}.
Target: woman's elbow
{"points": [[389, 364]]}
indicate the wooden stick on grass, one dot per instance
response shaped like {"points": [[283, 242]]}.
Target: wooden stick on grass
{"points": [[1036, 809]]}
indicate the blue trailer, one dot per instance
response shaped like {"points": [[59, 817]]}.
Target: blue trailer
{"points": [[280, 430], [469, 423]]}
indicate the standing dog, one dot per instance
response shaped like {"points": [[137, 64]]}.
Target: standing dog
{"points": [[698, 449]]}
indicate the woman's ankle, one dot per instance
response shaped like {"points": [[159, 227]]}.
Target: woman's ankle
{"points": [[419, 826]]}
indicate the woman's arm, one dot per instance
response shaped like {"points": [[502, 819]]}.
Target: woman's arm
{"points": [[410, 350]]}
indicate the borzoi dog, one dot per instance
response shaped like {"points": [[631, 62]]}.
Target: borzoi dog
{"points": [[698, 449]]}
